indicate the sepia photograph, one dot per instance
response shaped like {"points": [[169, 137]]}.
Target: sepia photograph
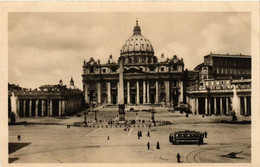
{"points": [[129, 87]]}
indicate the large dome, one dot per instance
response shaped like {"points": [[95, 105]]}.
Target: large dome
{"points": [[137, 44]]}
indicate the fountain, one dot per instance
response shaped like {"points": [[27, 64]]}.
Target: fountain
{"points": [[235, 111], [235, 105]]}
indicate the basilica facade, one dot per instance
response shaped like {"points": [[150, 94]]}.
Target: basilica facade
{"points": [[137, 77]]}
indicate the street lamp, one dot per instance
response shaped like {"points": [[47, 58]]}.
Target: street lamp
{"points": [[95, 111], [153, 112], [85, 117]]}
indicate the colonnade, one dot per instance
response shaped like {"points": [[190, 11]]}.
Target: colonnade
{"points": [[41, 107], [220, 105]]}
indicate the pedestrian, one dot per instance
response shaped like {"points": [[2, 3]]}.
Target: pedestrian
{"points": [[19, 137], [148, 145], [108, 138], [158, 145], [206, 134], [203, 135], [148, 134], [178, 158]]}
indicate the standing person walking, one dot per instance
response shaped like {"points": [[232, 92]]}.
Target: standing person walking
{"points": [[148, 145], [178, 158], [158, 145], [19, 137]]}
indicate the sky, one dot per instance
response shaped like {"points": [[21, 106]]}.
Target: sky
{"points": [[46, 47]]}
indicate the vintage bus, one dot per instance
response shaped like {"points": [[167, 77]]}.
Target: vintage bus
{"points": [[186, 136]]}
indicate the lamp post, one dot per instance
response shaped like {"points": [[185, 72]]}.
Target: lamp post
{"points": [[95, 111], [85, 117], [153, 112]]}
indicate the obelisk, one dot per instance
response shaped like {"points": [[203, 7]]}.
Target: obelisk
{"points": [[121, 106]]}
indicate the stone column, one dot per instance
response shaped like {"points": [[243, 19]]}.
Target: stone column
{"points": [[43, 107], [206, 106], [118, 92], [148, 92], [209, 104], [108, 93], [144, 92], [63, 111], [18, 108], [157, 92], [193, 104], [60, 107], [30, 108], [167, 91], [86, 93], [197, 105], [24, 108], [215, 105], [181, 91], [221, 106], [227, 108], [36, 108], [245, 106], [137, 93], [51, 111], [48, 107], [128, 92], [99, 93]]}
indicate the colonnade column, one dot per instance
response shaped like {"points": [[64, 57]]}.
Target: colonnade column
{"points": [[144, 92], [43, 107], [215, 105], [99, 92], [118, 92], [60, 108], [227, 108], [156, 92], [167, 91], [137, 93], [181, 91], [86, 93], [18, 108], [221, 105], [24, 108], [206, 106], [193, 104], [209, 103], [148, 92], [108, 93], [128, 92], [36, 108], [197, 105], [51, 111], [245, 106], [63, 109], [30, 108]]}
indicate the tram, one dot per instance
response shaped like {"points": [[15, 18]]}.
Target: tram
{"points": [[186, 136]]}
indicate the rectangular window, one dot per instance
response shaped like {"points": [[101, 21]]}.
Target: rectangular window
{"points": [[104, 70], [162, 69]]}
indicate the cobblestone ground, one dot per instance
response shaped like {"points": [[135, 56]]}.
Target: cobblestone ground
{"points": [[45, 143]]}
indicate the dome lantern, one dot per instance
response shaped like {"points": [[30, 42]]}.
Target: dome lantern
{"points": [[137, 29]]}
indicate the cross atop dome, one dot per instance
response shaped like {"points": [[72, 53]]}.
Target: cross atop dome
{"points": [[137, 29]]}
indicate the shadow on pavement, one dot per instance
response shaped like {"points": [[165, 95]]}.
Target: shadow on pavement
{"points": [[11, 160], [12, 147]]}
